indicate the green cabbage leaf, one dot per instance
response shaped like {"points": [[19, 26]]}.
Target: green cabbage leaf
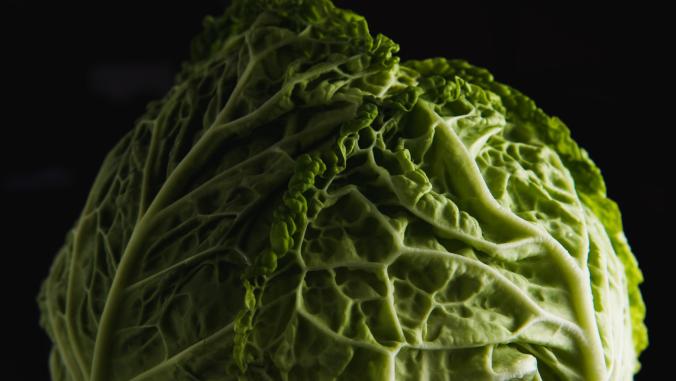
{"points": [[304, 206]]}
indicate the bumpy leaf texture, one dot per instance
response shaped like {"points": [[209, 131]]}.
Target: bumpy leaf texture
{"points": [[303, 206]]}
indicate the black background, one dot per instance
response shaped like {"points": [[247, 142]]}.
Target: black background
{"points": [[75, 77]]}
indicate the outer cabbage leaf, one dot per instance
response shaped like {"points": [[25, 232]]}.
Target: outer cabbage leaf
{"points": [[301, 206], [149, 284]]}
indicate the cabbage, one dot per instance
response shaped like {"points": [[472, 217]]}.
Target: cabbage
{"points": [[303, 206]]}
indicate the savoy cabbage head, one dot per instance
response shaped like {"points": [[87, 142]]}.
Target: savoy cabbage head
{"points": [[303, 206]]}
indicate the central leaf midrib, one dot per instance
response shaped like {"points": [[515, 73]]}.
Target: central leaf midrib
{"points": [[201, 149], [590, 345]]}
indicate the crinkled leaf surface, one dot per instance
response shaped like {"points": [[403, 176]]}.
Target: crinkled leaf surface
{"points": [[302, 206]]}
